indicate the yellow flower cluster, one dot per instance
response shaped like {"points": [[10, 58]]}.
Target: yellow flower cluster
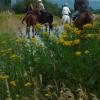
{"points": [[76, 41], [79, 53], [67, 43], [13, 56], [54, 24], [13, 83], [89, 36], [62, 40], [17, 95], [3, 77], [20, 40], [39, 46], [67, 27], [28, 84], [5, 51], [64, 35], [32, 40], [38, 26], [45, 33], [52, 38], [86, 51], [88, 26], [76, 31]]}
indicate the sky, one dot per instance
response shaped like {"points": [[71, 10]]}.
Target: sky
{"points": [[93, 3]]}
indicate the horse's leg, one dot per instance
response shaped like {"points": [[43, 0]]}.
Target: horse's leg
{"points": [[33, 31], [27, 32]]}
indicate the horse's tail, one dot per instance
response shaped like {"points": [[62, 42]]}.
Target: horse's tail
{"points": [[50, 22]]}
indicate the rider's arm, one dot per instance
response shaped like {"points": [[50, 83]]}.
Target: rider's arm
{"points": [[63, 11], [69, 10]]}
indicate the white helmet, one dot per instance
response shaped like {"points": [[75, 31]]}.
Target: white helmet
{"points": [[39, 0], [66, 4]]}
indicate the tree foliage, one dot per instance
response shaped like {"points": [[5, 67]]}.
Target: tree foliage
{"points": [[20, 7]]}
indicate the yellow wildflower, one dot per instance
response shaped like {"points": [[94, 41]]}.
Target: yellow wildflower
{"points": [[54, 24], [5, 51], [32, 40], [89, 36], [78, 53], [3, 77], [17, 95], [20, 40], [39, 46], [52, 38], [38, 26], [46, 94], [88, 26], [67, 43], [14, 56], [61, 40], [28, 84], [45, 33], [13, 83], [66, 27], [64, 35], [77, 31], [86, 51], [76, 41]]}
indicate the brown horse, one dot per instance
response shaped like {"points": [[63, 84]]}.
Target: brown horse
{"points": [[34, 17], [30, 21], [84, 18]]}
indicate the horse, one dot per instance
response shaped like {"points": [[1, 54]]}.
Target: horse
{"points": [[45, 17], [84, 18], [36, 17], [30, 20]]}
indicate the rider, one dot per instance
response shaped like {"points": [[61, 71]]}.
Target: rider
{"points": [[79, 7], [29, 9], [41, 6], [66, 10]]}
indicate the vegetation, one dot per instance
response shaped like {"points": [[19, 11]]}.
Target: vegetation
{"points": [[61, 65], [42, 70], [20, 7]]}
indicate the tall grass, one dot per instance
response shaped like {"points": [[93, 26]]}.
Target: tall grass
{"points": [[29, 70]]}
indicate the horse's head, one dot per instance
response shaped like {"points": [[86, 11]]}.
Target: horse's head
{"points": [[79, 4]]}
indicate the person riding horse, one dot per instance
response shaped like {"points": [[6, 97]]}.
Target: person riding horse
{"points": [[29, 11], [79, 7], [33, 16], [66, 14]]}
